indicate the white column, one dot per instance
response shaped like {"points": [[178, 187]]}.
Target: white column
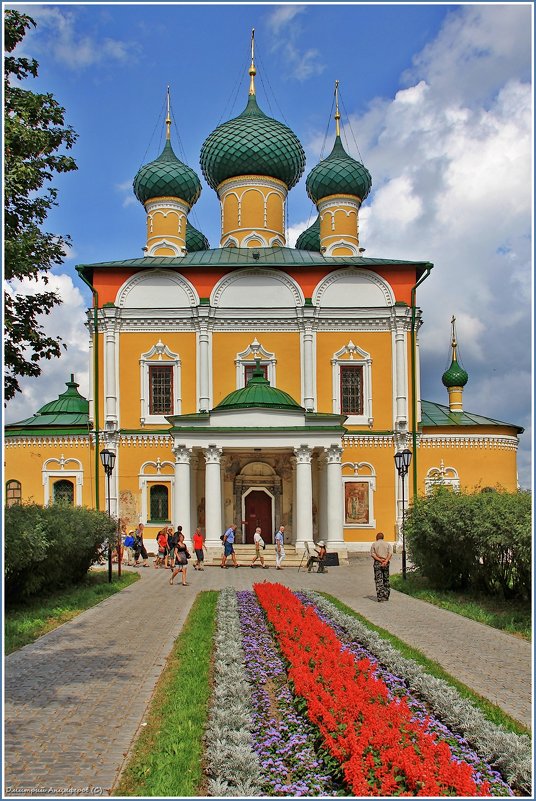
{"points": [[401, 376], [308, 368], [194, 522], [303, 519], [204, 367], [213, 496], [418, 378], [91, 382], [110, 372], [335, 521], [322, 499], [181, 494]]}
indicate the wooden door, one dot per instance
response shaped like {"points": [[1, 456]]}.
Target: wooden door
{"points": [[258, 513]]}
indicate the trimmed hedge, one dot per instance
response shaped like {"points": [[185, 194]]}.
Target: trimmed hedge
{"points": [[49, 547], [479, 540]]}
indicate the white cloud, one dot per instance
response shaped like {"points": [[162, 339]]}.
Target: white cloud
{"points": [[450, 158], [57, 33], [66, 321], [286, 31], [125, 189]]}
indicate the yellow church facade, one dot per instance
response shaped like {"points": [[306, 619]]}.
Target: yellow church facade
{"points": [[254, 383]]}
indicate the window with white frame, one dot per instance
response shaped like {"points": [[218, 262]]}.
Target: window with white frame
{"points": [[245, 363], [441, 476], [352, 384], [159, 503], [160, 379], [156, 483]]}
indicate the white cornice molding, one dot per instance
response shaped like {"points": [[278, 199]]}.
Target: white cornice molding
{"points": [[502, 442], [144, 440], [374, 440], [24, 440]]}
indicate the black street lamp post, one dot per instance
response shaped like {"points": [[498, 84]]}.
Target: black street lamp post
{"points": [[402, 462], [108, 462]]}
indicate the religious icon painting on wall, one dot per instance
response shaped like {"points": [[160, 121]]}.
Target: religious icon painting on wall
{"points": [[356, 503]]}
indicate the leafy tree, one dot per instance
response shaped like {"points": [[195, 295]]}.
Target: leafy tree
{"points": [[34, 133]]}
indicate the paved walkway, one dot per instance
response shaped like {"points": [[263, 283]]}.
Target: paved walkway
{"points": [[76, 698]]}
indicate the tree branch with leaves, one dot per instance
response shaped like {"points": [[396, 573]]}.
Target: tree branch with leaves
{"points": [[35, 137]]}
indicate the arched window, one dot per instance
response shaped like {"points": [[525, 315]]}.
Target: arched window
{"points": [[63, 492], [13, 492], [159, 503]]}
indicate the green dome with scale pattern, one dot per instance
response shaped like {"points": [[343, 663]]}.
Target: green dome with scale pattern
{"points": [[252, 144], [455, 376], [258, 393], [310, 238], [338, 174], [167, 176], [195, 240]]}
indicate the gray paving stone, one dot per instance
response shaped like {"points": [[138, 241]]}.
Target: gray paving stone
{"points": [[75, 699]]}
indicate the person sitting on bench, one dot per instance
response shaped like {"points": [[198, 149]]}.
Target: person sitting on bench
{"points": [[320, 558]]}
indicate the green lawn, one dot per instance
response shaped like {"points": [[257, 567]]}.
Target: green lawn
{"points": [[513, 617], [26, 621], [167, 759]]}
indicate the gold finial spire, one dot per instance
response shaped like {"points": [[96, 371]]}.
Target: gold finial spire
{"points": [[252, 70], [453, 342], [337, 112], [168, 117]]}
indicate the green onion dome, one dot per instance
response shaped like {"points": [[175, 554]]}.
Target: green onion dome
{"points": [[195, 240], [252, 144], [455, 376], [258, 393], [338, 174], [310, 238], [166, 176]]}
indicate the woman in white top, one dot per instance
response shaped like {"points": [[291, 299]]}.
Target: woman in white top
{"points": [[259, 543]]}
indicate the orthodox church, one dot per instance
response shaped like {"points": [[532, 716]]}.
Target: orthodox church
{"points": [[254, 383]]}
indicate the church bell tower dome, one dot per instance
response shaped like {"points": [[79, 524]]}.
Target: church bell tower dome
{"points": [[167, 176], [338, 174]]}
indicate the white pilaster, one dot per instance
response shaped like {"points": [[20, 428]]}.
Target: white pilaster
{"points": [[401, 377], [194, 522], [213, 496], [308, 368], [334, 538], [203, 361], [91, 383], [181, 496], [110, 373], [303, 519]]}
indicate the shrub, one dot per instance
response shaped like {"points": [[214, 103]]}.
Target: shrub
{"points": [[480, 540], [51, 547]]}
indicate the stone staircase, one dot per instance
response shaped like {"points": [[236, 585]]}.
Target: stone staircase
{"points": [[245, 554]]}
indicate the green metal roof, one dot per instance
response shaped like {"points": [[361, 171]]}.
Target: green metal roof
{"points": [[166, 176], [338, 174], [252, 144], [437, 415], [310, 238], [455, 376], [69, 412], [258, 394], [237, 258]]}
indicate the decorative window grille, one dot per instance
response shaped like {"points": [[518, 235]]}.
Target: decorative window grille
{"points": [[161, 390], [63, 492], [351, 390], [13, 493], [159, 497], [249, 368]]}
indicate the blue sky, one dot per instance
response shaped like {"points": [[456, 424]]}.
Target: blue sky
{"points": [[438, 98]]}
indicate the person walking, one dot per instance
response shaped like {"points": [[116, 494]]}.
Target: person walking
{"points": [[172, 540], [139, 547], [279, 549], [228, 546], [199, 544], [259, 544], [161, 542], [181, 560], [381, 553]]}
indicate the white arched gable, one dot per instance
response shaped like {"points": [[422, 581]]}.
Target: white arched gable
{"points": [[252, 288], [157, 289], [353, 288]]}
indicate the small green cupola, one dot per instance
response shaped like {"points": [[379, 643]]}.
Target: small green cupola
{"points": [[455, 378], [337, 186], [258, 394], [69, 413], [195, 240], [310, 238], [167, 176]]}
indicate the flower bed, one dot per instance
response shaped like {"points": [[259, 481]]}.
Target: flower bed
{"points": [[302, 708]]}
